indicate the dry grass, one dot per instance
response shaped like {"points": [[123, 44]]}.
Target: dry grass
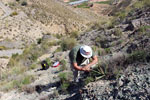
{"points": [[17, 80], [15, 76]]}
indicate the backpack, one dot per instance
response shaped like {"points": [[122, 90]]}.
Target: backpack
{"points": [[44, 65]]}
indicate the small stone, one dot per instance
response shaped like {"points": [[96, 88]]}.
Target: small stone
{"points": [[120, 82]]}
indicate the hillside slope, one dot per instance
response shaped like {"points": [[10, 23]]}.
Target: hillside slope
{"points": [[59, 17], [121, 44]]}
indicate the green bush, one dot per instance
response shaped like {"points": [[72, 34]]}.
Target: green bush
{"points": [[118, 32], [141, 4], [74, 34], [46, 44], [99, 52], [65, 78], [88, 80], [139, 56], [107, 50], [104, 70], [122, 14], [14, 60], [48, 60], [58, 36], [63, 63], [65, 86], [68, 43], [144, 29], [59, 49], [8, 85], [39, 41], [33, 66], [14, 13], [3, 48], [83, 5], [104, 2], [27, 79], [95, 74]]}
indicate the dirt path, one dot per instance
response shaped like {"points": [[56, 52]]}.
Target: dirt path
{"points": [[9, 53], [100, 9]]}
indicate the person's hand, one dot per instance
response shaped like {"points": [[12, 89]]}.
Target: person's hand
{"points": [[86, 68]]}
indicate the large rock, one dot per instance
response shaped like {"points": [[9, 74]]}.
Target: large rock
{"points": [[137, 23]]}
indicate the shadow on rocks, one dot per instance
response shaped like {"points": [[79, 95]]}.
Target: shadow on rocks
{"points": [[41, 88]]}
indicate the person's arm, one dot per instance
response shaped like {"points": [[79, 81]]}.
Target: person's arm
{"points": [[77, 67], [94, 61]]}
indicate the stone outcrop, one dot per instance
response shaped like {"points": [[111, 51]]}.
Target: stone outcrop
{"points": [[133, 85]]}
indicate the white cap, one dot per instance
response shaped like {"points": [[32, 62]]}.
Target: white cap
{"points": [[86, 51]]}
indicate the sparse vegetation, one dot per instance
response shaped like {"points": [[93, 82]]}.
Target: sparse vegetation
{"points": [[39, 41], [104, 71], [12, 4], [139, 56], [48, 60], [144, 29], [63, 67], [73, 0], [68, 43], [122, 13], [104, 2], [99, 52], [118, 32], [18, 64], [3, 48], [5, 57], [33, 66], [65, 78], [83, 5], [141, 3], [8, 85], [97, 73], [58, 36], [88, 80], [107, 50], [74, 34], [59, 49], [13, 60], [97, 26], [14, 13]]}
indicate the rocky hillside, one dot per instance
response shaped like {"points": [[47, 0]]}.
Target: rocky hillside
{"points": [[122, 45], [134, 82]]}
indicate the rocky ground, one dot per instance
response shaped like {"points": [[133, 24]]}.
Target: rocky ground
{"points": [[134, 83]]}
